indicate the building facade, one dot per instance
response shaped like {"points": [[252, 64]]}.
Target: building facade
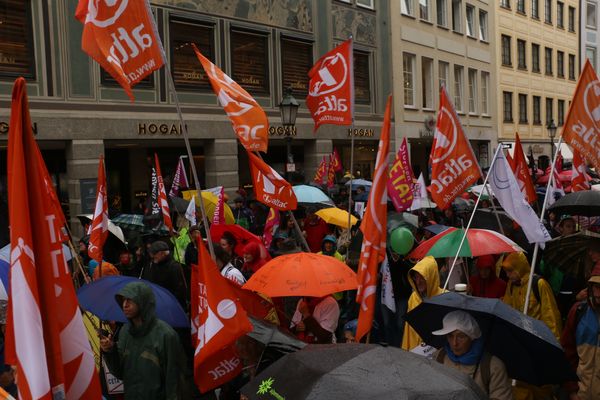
{"points": [[79, 112], [538, 42], [590, 37], [450, 43]]}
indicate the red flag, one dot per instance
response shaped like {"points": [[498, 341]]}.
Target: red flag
{"points": [[270, 188], [336, 161], [401, 180], [453, 165], [120, 35], [219, 215], [249, 120], [521, 170], [99, 226], [330, 174], [330, 87], [44, 328], [578, 177], [53, 199], [162, 196], [510, 159], [557, 170], [582, 126], [271, 224], [218, 320], [373, 227], [179, 180], [321, 171]]}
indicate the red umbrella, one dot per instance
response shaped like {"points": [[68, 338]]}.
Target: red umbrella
{"points": [[242, 236]]}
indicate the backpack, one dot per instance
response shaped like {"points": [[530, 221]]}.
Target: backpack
{"points": [[484, 366]]}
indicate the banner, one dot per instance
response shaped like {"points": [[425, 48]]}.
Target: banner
{"points": [[582, 129], [521, 171], [579, 180], [249, 120], [269, 187], [99, 225], [154, 206], [400, 184], [121, 36], [162, 196], [453, 165], [219, 215], [179, 180], [330, 98]]}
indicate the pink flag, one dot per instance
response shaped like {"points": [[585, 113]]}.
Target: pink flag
{"points": [[400, 184], [219, 215], [179, 180], [270, 225]]}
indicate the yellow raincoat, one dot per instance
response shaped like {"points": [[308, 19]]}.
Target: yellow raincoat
{"points": [[428, 269]]}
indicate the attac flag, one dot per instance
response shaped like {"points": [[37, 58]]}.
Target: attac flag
{"points": [[269, 187], [45, 335], [179, 180], [374, 230], [401, 180], [271, 225], [218, 320], [162, 196], [330, 96], [453, 165], [99, 226], [330, 174], [579, 180], [321, 173], [521, 171], [336, 161], [582, 126], [249, 120], [121, 36]]}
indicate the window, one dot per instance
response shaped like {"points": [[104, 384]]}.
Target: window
{"points": [[365, 3], [472, 91], [505, 3], [507, 102], [548, 60], [362, 81], [443, 70], [522, 108], [16, 39], [483, 25], [485, 99], [590, 15], [535, 57], [549, 114], [458, 87], [521, 6], [535, 9], [572, 66], [590, 54], [424, 9], [440, 6], [548, 11], [249, 61], [560, 18], [187, 72], [427, 82], [406, 7], [537, 111], [561, 112], [521, 54], [560, 64], [298, 58], [506, 60], [571, 19], [470, 20], [456, 15], [408, 65]]}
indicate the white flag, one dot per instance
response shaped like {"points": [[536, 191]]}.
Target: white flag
{"points": [[420, 197], [190, 213], [387, 291], [506, 189]]}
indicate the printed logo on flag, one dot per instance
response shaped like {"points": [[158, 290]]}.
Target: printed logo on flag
{"points": [[103, 13]]}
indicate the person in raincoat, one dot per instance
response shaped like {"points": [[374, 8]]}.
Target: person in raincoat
{"points": [[147, 356], [329, 248], [425, 281], [486, 283]]}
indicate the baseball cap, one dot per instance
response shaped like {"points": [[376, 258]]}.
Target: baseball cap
{"points": [[157, 246], [461, 321]]}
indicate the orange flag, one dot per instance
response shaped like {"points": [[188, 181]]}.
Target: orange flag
{"points": [[269, 187], [249, 120], [121, 37], [44, 327], [521, 171], [373, 226], [162, 196], [453, 165], [582, 126], [579, 180], [99, 227]]}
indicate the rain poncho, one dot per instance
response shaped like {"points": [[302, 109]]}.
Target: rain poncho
{"points": [[333, 252], [428, 269]]}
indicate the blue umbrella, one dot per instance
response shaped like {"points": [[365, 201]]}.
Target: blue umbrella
{"points": [[311, 194], [360, 182], [98, 298]]}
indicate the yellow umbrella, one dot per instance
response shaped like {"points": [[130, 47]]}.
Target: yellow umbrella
{"points": [[336, 216], [210, 202]]}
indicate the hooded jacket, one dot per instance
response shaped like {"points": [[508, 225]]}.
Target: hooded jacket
{"points": [[428, 269], [148, 358], [492, 287], [333, 252], [251, 267], [546, 309]]}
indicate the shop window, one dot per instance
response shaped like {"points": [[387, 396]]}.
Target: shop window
{"points": [[249, 61], [296, 61], [16, 39], [187, 70]]}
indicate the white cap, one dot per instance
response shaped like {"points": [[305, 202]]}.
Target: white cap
{"points": [[460, 287], [459, 321]]}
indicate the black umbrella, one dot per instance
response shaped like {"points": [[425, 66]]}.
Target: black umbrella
{"points": [[486, 219], [360, 371], [526, 345], [584, 203], [570, 253]]}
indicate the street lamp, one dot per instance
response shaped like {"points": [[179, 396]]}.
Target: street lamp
{"points": [[552, 134], [289, 109]]}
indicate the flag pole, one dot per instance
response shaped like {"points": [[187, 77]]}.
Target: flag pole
{"points": [[351, 135], [471, 218], [537, 245]]}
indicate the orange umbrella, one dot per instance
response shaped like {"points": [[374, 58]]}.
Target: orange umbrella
{"points": [[302, 274]]}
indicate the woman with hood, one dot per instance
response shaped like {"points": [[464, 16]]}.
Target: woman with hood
{"points": [[329, 248], [425, 281], [486, 283], [252, 259]]}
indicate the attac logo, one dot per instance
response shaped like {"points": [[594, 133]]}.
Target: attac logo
{"points": [[333, 75], [103, 13], [445, 140]]}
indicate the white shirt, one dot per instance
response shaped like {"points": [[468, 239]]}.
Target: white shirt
{"points": [[233, 274]]}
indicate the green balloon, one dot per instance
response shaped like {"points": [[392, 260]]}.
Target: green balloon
{"points": [[401, 241]]}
